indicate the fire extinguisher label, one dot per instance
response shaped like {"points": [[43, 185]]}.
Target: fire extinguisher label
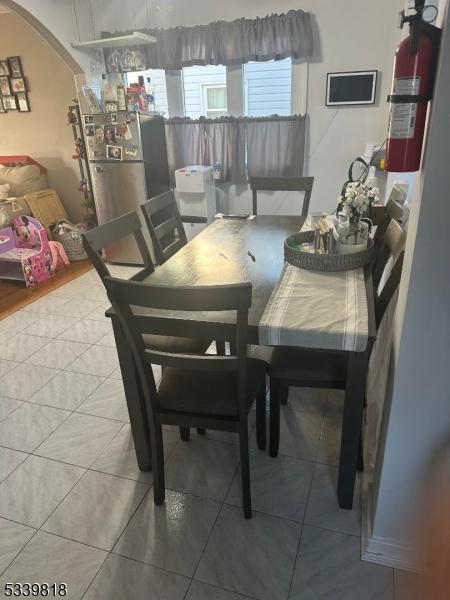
{"points": [[402, 118]]}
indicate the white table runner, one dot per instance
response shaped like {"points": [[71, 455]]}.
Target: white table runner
{"points": [[311, 309]]}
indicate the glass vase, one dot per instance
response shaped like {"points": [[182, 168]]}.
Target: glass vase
{"points": [[353, 234]]}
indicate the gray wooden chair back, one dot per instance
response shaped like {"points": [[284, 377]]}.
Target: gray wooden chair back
{"points": [[393, 211], [108, 233], [132, 302], [392, 244], [389, 288], [164, 224], [282, 184]]}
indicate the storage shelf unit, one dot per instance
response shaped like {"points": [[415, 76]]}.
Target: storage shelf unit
{"points": [[133, 39]]}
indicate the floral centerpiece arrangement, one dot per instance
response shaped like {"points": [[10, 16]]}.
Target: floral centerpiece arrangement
{"points": [[357, 199], [354, 204]]}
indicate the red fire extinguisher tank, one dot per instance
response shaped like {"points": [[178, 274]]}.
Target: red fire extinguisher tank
{"points": [[413, 77]]}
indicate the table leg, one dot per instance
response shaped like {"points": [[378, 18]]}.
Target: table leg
{"points": [[135, 400], [351, 426]]}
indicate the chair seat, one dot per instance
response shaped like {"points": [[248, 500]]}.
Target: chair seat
{"points": [[211, 393], [311, 368], [177, 345]]}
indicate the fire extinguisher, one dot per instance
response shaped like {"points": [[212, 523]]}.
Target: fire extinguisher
{"points": [[412, 87]]}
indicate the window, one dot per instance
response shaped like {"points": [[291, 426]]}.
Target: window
{"points": [[205, 91], [214, 100], [267, 88], [158, 81]]}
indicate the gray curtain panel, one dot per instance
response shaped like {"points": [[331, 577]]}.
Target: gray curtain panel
{"points": [[225, 143], [275, 146], [228, 43], [185, 143]]}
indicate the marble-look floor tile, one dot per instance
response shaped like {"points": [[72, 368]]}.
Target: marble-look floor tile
{"points": [[6, 366], [13, 538], [25, 380], [98, 360], [51, 559], [280, 486], [86, 331], [97, 510], [250, 556], [67, 390], [77, 307], [33, 491], [171, 536], [119, 457], [323, 508], [299, 434], [5, 335], [28, 426], [18, 322], [329, 566], [107, 340], [204, 591], [47, 305], [311, 400], [21, 346], [108, 400], [124, 579], [98, 313], [10, 460], [58, 354], [202, 467], [7, 406], [79, 440], [330, 439], [50, 326]]}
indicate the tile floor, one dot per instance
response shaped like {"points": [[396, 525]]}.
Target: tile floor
{"points": [[75, 508]]}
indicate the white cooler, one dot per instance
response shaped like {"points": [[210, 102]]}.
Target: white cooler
{"points": [[196, 196]]}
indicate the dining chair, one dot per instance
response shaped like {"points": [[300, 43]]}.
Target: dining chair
{"points": [[130, 224], [164, 224], [282, 184], [295, 367], [208, 391], [390, 244]]}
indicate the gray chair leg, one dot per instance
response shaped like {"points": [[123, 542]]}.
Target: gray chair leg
{"points": [[284, 394], [274, 422], [261, 418], [159, 485], [360, 465], [185, 434], [245, 470]]}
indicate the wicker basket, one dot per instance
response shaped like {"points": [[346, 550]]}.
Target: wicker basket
{"points": [[324, 262], [71, 240]]}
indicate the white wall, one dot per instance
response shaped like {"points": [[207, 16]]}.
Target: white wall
{"points": [[417, 420], [349, 35]]}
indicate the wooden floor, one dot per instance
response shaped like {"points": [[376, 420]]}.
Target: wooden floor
{"points": [[14, 295]]}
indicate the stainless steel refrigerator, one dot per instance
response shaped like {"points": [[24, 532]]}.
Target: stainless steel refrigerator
{"points": [[128, 163]]}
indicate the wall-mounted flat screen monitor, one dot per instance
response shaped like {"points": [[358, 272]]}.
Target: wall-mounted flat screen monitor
{"points": [[355, 87]]}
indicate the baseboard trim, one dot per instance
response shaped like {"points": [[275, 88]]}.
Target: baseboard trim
{"points": [[384, 551]]}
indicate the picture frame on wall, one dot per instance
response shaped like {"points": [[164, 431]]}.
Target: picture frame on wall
{"points": [[22, 102], [2, 108], [18, 85], [5, 86], [15, 66], [4, 67], [9, 102]]}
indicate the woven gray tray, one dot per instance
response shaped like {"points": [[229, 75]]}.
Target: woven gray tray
{"points": [[324, 262]]}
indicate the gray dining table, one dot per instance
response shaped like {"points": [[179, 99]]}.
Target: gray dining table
{"points": [[233, 251]]}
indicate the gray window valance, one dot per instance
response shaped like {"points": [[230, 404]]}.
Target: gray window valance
{"points": [[228, 43]]}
